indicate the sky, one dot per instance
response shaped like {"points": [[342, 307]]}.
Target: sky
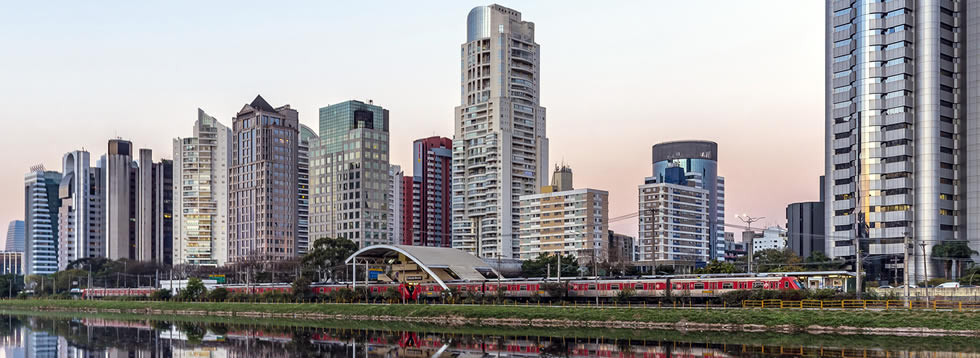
{"points": [[616, 78]]}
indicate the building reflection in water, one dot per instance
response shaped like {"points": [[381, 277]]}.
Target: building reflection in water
{"points": [[89, 337]]}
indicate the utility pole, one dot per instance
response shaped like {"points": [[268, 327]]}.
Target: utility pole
{"points": [[925, 269], [748, 220], [857, 259], [906, 269]]}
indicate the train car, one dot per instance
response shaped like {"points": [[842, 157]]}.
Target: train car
{"points": [[642, 288], [716, 286]]}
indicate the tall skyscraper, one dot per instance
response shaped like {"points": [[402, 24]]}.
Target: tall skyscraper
{"points": [[900, 147], [121, 200], [350, 174], [396, 204], [699, 161], [263, 210], [500, 150], [431, 193], [307, 137], [200, 186], [81, 215], [41, 221], [154, 237], [15, 237]]}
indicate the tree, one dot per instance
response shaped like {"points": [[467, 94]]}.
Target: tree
{"points": [[301, 288], [774, 260], [716, 266], [952, 253], [818, 261], [219, 294], [328, 253], [195, 290], [970, 276], [10, 286], [538, 267], [161, 295]]}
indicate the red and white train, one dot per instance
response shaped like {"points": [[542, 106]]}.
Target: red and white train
{"points": [[642, 288]]}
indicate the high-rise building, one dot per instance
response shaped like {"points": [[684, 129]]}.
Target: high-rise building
{"points": [[41, 221], [407, 210], [15, 236], [306, 137], [11, 263], [699, 159], [200, 185], [430, 196], [804, 227], [396, 204], [500, 150], [350, 174], [899, 94], [121, 200], [81, 231], [263, 210], [674, 220], [572, 221], [154, 237]]}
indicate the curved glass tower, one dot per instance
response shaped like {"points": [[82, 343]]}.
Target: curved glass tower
{"points": [[699, 159]]}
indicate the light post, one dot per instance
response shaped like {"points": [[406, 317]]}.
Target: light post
{"points": [[748, 220]]}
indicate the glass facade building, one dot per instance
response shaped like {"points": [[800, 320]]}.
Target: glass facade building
{"points": [[349, 174], [900, 89], [15, 236], [41, 221], [699, 160]]}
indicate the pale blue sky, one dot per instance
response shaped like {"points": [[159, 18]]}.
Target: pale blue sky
{"points": [[616, 77]]}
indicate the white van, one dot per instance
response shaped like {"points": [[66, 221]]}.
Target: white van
{"points": [[949, 285]]}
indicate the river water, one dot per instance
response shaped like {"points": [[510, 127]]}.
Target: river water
{"points": [[66, 335]]}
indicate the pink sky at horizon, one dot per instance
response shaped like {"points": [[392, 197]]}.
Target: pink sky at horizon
{"points": [[747, 75]]}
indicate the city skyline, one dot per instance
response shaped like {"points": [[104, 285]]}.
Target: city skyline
{"points": [[638, 93]]}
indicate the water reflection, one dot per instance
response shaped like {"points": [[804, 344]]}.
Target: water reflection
{"points": [[24, 336]]}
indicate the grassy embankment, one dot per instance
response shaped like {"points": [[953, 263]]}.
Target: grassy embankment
{"points": [[967, 320]]}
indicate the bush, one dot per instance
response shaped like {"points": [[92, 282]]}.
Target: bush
{"points": [[735, 298], [161, 295], [194, 291], [240, 297], [219, 294]]}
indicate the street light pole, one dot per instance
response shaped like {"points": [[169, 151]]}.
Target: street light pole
{"points": [[748, 220], [925, 269], [906, 268]]}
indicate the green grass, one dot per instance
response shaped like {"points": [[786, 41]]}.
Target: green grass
{"points": [[967, 320]]}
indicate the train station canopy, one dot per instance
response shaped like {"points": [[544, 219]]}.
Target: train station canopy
{"points": [[442, 264]]}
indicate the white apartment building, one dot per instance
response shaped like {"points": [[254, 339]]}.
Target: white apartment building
{"points": [[565, 222], [673, 224], [500, 150], [200, 200]]}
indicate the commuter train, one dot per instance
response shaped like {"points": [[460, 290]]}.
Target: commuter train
{"points": [[580, 288]]}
